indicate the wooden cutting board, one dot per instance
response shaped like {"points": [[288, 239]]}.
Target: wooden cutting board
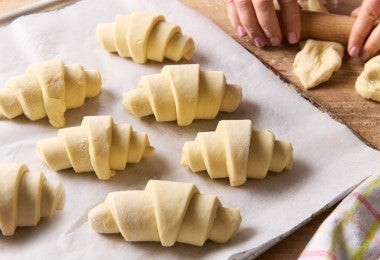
{"points": [[336, 96]]}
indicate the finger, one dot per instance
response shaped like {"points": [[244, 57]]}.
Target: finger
{"points": [[234, 17], [268, 21], [249, 22], [362, 27], [372, 45], [291, 19]]}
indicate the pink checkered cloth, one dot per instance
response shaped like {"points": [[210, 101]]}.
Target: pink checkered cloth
{"points": [[352, 231]]}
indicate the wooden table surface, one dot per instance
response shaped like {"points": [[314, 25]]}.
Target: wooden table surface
{"points": [[290, 247]]}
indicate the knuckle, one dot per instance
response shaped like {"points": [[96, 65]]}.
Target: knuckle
{"points": [[228, 2], [262, 3], [242, 4], [369, 14], [268, 31], [249, 29]]}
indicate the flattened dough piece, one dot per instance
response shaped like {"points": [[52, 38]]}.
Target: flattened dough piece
{"points": [[317, 61], [183, 93], [236, 151], [25, 197], [368, 82], [168, 212], [97, 145]]}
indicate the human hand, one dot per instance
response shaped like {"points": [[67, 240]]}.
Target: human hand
{"points": [[258, 20], [364, 40]]}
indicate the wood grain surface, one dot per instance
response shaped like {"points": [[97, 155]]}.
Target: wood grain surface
{"points": [[7, 5], [336, 96], [290, 247]]}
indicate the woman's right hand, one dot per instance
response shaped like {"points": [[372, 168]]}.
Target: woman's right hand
{"points": [[364, 39], [258, 20]]}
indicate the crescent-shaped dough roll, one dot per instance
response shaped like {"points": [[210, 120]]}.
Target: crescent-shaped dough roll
{"points": [[183, 93], [166, 211], [48, 89], [97, 145], [237, 151], [317, 61], [25, 197], [368, 82], [145, 36]]}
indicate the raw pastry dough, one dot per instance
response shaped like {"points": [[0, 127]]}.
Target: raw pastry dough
{"points": [[25, 197], [317, 61], [166, 211], [144, 36], [48, 89], [97, 145], [368, 82], [313, 5], [310, 5], [183, 93], [237, 151]]}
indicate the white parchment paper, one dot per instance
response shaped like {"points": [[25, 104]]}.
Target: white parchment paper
{"points": [[328, 158]]}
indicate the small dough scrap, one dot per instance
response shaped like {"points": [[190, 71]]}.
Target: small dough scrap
{"points": [[237, 151], [145, 36], [168, 212], [309, 5], [25, 197], [317, 61], [97, 145], [48, 89], [183, 93], [313, 5], [368, 82]]}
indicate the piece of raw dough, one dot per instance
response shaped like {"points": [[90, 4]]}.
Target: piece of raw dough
{"points": [[48, 89], [309, 5], [237, 151], [97, 145], [313, 5], [183, 93], [25, 197], [317, 61], [368, 82], [145, 36], [166, 211]]}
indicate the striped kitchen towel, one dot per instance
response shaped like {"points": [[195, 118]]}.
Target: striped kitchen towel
{"points": [[352, 231]]}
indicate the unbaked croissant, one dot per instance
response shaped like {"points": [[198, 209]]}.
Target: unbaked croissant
{"points": [[25, 197], [48, 89], [237, 151], [145, 36], [183, 93], [166, 211], [97, 145]]}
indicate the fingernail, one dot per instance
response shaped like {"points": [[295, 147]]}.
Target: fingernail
{"points": [[275, 41], [259, 42], [364, 56], [241, 31], [292, 38], [354, 52]]}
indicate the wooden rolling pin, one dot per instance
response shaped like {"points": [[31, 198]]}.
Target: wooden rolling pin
{"points": [[326, 26]]}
